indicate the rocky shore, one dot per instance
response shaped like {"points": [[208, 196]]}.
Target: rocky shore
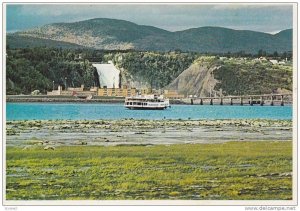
{"points": [[60, 99], [52, 133], [72, 99]]}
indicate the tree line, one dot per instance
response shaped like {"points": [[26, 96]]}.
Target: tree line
{"points": [[44, 68]]}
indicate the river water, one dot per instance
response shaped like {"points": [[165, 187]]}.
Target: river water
{"points": [[81, 111]]}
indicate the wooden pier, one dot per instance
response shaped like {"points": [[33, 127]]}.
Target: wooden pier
{"points": [[266, 99]]}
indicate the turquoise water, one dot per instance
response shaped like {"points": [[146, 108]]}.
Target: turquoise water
{"points": [[47, 111]]}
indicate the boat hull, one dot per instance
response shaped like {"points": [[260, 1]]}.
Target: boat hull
{"points": [[146, 108]]}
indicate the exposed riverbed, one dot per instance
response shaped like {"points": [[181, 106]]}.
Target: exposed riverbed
{"points": [[33, 133]]}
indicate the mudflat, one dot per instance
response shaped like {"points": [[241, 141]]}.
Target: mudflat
{"points": [[143, 132]]}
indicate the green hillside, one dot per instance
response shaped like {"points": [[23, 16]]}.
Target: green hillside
{"points": [[252, 77], [36, 68]]}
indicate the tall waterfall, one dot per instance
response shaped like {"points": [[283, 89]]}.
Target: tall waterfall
{"points": [[109, 75]]}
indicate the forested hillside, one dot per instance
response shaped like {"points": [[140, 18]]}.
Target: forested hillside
{"points": [[238, 77], [156, 70], [40, 68], [36, 68]]}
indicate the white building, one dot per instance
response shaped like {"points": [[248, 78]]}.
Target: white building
{"points": [[273, 61]]}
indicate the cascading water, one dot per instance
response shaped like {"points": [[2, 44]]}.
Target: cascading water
{"points": [[109, 75]]}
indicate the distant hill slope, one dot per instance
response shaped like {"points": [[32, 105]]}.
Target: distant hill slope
{"points": [[15, 41], [103, 33], [285, 34], [217, 39]]}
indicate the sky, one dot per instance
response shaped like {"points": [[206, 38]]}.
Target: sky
{"points": [[270, 18]]}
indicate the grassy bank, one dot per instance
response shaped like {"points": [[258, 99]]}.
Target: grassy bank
{"points": [[232, 170]]}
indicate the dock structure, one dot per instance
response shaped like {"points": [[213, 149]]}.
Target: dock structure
{"points": [[265, 99]]}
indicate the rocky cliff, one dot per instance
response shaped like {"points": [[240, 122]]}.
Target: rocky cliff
{"points": [[198, 79]]}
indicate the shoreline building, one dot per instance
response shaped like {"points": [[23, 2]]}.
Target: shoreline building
{"points": [[117, 92], [112, 92], [74, 90], [94, 91], [172, 94]]}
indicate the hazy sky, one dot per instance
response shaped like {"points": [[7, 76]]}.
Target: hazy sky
{"points": [[173, 17]]}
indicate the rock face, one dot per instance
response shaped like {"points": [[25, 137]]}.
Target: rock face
{"points": [[197, 80]]}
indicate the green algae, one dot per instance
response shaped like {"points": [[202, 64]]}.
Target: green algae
{"points": [[226, 171]]}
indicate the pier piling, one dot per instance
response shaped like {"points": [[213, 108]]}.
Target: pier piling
{"points": [[251, 101], [281, 103], [272, 102], [261, 100]]}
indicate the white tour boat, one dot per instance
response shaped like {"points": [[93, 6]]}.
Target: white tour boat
{"points": [[151, 102]]}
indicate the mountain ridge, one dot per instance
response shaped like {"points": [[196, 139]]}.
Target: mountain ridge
{"points": [[114, 34]]}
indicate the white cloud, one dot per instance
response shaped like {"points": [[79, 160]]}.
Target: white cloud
{"points": [[261, 17], [274, 32], [252, 6], [57, 10]]}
